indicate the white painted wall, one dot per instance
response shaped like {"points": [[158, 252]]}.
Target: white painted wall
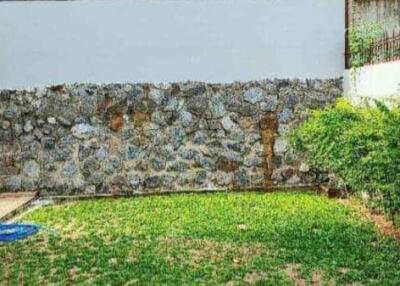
{"points": [[381, 81], [163, 40]]}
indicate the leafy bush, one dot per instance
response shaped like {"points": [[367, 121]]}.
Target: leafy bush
{"points": [[361, 38], [360, 145]]}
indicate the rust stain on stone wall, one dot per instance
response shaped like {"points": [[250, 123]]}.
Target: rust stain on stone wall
{"points": [[60, 88], [268, 130], [117, 122], [104, 106], [226, 165]]}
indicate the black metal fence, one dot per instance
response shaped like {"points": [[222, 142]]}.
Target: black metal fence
{"points": [[386, 49]]}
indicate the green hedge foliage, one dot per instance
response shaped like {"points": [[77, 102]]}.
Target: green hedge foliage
{"points": [[360, 145]]}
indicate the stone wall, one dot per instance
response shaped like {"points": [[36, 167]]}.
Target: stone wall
{"points": [[127, 138]]}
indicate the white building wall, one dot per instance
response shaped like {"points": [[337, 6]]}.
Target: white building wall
{"points": [[49, 42], [380, 81]]}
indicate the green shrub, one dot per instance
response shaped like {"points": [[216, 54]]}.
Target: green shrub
{"points": [[360, 145], [361, 39]]}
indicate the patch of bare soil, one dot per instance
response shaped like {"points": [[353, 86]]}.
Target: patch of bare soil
{"points": [[6, 266], [202, 250], [73, 273], [253, 278], [292, 270], [385, 226], [317, 278]]}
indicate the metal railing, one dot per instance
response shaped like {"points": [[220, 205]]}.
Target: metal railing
{"points": [[386, 49]]}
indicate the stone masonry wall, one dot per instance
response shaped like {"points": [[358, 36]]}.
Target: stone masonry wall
{"points": [[127, 138]]}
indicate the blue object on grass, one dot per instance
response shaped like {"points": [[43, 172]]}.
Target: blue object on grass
{"points": [[15, 231]]}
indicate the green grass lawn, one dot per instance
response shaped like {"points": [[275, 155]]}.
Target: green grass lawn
{"points": [[233, 239]]}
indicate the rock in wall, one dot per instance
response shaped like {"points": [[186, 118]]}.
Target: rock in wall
{"points": [[127, 138]]}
